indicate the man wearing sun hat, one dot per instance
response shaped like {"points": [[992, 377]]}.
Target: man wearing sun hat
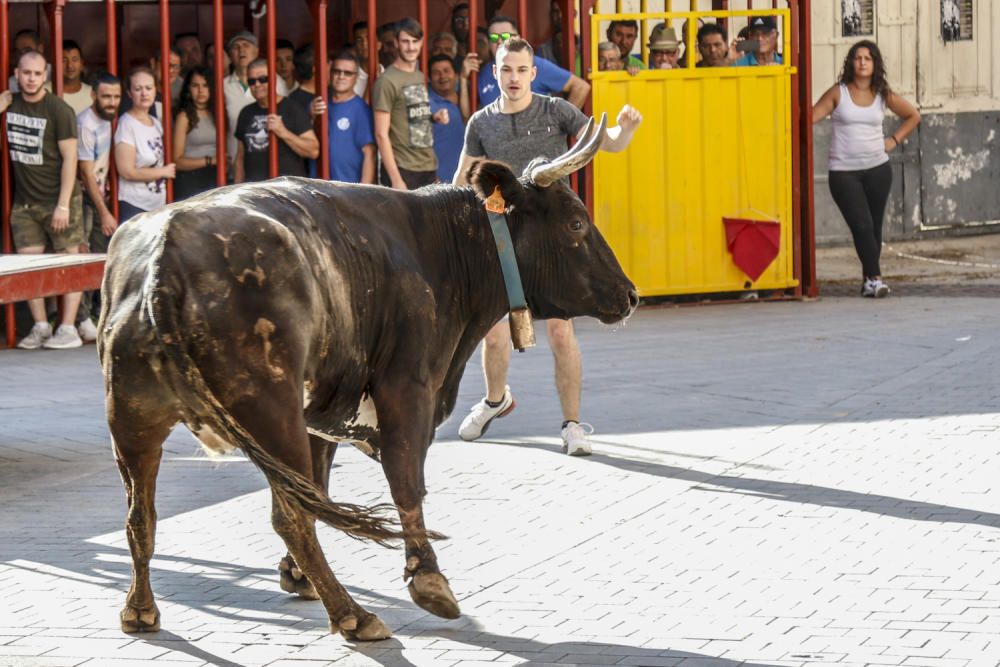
{"points": [[763, 29], [664, 49]]}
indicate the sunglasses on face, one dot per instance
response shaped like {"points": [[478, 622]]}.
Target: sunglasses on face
{"points": [[343, 72], [501, 36], [254, 80]]}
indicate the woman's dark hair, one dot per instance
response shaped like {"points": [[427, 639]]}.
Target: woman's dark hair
{"points": [[185, 103], [880, 85]]}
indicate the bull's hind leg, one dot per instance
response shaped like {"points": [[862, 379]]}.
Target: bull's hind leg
{"points": [[406, 425], [292, 579], [138, 448]]}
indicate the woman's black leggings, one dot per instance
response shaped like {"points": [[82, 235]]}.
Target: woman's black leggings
{"points": [[861, 197]]}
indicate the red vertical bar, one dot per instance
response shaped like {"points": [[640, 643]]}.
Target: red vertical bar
{"points": [[5, 173], [568, 31], [473, 44], [272, 86], [372, 47], [586, 9], [796, 105], [167, 120], [808, 213], [522, 17], [220, 98], [54, 10], [422, 18], [322, 83], [111, 36]]}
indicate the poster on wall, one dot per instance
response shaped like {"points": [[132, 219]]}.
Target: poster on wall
{"points": [[857, 17], [956, 20]]}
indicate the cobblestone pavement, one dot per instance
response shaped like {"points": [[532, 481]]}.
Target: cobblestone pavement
{"points": [[773, 484]]}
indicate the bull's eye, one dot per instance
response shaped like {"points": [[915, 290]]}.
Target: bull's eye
{"points": [[576, 226]]}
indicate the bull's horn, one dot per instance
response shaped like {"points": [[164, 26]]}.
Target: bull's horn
{"points": [[574, 159]]}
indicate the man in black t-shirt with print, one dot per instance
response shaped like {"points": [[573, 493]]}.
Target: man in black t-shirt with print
{"points": [[291, 125]]}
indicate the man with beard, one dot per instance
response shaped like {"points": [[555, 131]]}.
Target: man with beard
{"points": [[93, 152], [41, 136], [403, 116]]}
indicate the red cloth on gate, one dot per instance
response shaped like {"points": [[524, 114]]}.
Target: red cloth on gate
{"points": [[753, 244]]}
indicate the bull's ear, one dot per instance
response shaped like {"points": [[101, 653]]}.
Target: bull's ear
{"points": [[487, 175]]}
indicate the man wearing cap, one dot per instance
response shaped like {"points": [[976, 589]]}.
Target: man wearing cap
{"points": [[242, 48], [764, 29], [664, 49]]}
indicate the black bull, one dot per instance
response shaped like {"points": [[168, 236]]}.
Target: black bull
{"points": [[282, 317]]}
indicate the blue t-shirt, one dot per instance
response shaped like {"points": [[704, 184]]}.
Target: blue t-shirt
{"points": [[750, 59], [448, 139], [551, 80], [351, 130]]}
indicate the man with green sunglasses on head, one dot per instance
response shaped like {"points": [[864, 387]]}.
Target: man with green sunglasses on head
{"points": [[551, 79]]}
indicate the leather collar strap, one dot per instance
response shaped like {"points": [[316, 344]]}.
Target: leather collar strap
{"points": [[522, 333]]}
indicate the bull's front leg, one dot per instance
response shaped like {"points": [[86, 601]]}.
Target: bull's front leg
{"points": [[406, 423]]}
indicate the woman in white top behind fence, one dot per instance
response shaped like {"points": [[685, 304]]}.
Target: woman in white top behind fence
{"points": [[139, 150], [860, 175]]}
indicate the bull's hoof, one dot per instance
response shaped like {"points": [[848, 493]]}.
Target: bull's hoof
{"points": [[430, 590], [370, 629], [140, 620], [294, 581]]}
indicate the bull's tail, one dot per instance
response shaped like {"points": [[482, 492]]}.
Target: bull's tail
{"points": [[377, 523]]}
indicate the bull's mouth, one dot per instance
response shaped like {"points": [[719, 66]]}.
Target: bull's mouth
{"points": [[625, 310]]}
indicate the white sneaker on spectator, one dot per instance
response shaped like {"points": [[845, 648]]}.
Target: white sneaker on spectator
{"points": [[483, 414], [39, 333], [874, 288], [65, 338], [87, 331], [574, 437]]}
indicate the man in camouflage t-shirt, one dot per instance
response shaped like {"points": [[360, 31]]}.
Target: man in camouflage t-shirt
{"points": [[41, 137], [403, 116]]}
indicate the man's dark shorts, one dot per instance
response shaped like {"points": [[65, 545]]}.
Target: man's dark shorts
{"points": [[31, 225]]}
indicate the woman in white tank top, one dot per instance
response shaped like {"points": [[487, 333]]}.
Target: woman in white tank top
{"points": [[860, 175]]}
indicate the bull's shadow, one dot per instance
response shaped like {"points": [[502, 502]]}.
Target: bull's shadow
{"points": [[809, 494]]}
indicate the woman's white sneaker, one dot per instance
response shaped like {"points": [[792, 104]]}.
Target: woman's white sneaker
{"points": [[874, 288], [65, 338], [39, 333], [87, 331]]}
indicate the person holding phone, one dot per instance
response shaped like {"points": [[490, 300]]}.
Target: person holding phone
{"points": [[860, 175], [762, 46]]}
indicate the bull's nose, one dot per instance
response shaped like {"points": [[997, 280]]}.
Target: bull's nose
{"points": [[633, 300]]}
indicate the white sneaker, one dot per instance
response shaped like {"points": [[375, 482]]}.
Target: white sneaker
{"points": [[482, 415], [39, 333], [65, 338], [874, 288], [87, 331], [574, 437]]}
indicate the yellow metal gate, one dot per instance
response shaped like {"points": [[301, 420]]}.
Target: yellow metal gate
{"points": [[715, 143]]}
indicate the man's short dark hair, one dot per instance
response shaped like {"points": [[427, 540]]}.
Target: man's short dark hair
{"points": [[358, 25], [184, 35], [411, 26], [70, 45], [283, 44], [624, 24], [105, 78], [461, 5], [712, 29], [389, 26], [441, 57], [516, 45], [304, 61], [346, 54], [30, 33], [173, 49], [500, 18]]}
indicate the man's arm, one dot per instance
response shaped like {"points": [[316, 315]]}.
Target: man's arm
{"points": [[368, 166], [6, 97], [576, 90], [304, 145], [67, 179], [89, 178], [617, 138], [382, 121], [464, 161]]}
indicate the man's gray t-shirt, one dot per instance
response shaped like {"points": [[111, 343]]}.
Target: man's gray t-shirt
{"points": [[518, 138]]}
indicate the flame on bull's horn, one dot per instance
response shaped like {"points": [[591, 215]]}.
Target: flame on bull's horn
{"points": [[575, 158]]}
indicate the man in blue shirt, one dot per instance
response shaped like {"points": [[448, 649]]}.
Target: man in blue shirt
{"points": [[551, 79], [764, 29], [443, 94], [352, 139]]}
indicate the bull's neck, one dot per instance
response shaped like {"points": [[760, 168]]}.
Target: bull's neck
{"points": [[456, 229]]}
